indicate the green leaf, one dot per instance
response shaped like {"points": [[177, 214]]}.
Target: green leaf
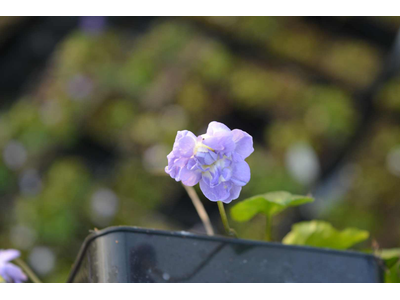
{"points": [[392, 274], [389, 253], [268, 204], [390, 262], [322, 234]]}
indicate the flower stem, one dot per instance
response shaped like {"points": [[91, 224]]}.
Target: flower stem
{"points": [[229, 231], [268, 229], [200, 209], [27, 270]]}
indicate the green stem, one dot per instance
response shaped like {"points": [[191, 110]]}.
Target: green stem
{"points": [[28, 271], [229, 231], [268, 229]]}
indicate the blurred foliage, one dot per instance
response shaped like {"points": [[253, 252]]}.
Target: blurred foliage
{"points": [[86, 146], [344, 59]]}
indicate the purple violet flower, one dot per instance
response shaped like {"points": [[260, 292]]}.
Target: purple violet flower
{"points": [[8, 271], [216, 159]]}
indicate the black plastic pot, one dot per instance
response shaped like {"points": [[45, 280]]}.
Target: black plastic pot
{"points": [[129, 254]]}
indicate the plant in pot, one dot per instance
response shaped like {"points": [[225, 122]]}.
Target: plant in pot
{"points": [[311, 252]]}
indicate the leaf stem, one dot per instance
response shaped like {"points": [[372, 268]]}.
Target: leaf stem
{"points": [[200, 209], [27, 270], [268, 229], [229, 231]]}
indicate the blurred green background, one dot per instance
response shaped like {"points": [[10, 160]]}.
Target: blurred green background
{"points": [[90, 106]]}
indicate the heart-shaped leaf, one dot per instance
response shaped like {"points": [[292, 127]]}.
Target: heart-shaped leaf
{"points": [[268, 204], [323, 234]]}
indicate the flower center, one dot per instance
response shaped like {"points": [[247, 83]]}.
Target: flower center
{"points": [[202, 148]]}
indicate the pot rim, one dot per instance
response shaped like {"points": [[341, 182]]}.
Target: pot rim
{"points": [[184, 234]]}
